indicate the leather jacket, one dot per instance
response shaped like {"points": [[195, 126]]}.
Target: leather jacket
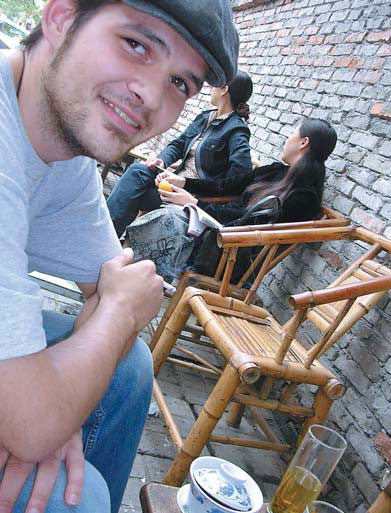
{"points": [[224, 148]]}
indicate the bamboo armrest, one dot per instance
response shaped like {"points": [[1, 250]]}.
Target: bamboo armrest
{"points": [[334, 294], [268, 238], [220, 199], [321, 223]]}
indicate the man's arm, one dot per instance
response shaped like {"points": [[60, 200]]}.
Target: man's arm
{"points": [[63, 383]]}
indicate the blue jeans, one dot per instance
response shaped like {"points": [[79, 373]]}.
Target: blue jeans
{"points": [[134, 191], [111, 433]]}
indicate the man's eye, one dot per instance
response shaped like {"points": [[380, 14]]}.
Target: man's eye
{"points": [[180, 84], [138, 47]]}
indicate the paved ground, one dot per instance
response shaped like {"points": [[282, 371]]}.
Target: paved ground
{"points": [[185, 393]]}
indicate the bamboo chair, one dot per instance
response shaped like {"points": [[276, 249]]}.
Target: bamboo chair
{"points": [[254, 344], [270, 255]]}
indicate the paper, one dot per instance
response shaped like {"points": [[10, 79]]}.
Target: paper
{"points": [[199, 220]]}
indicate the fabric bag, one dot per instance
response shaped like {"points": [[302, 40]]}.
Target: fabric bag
{"points": [[161, 236]]}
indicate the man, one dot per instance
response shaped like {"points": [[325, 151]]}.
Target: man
{"points": [[95, 79]]}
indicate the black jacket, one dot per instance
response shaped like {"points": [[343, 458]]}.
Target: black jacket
{"points": [[301, 204], [224, 149]]}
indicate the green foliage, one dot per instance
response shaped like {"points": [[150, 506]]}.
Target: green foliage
{"points": [[21, 9]]}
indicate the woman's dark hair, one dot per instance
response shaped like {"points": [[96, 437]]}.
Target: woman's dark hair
{"points": [[309, 172], [240, 90], [85, 9]]}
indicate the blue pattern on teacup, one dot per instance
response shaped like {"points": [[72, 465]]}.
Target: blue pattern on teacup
{"points": [[211, 480]]}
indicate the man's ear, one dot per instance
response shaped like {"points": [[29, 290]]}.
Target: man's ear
{"points": [[57, 17]]}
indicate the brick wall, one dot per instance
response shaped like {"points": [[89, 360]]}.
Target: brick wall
{"points": [[330, 59]]}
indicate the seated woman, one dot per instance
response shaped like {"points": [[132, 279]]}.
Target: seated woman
{"points": [[161, 235], [214, 145]]}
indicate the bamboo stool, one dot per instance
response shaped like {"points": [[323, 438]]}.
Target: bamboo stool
{"points": [[254, 344]]}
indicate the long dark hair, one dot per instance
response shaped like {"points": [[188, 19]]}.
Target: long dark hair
{"points": [[240, 90], [309, 172]]}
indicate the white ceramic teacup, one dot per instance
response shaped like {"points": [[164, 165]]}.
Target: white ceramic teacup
{"points": [[194, 498]]}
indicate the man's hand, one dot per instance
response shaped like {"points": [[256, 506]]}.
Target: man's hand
{"points": [[178, 197], [133, 291], [153, 161], [16, 473], [170, 177]]}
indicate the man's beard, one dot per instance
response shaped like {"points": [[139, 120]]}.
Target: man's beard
{"points": [[66, 118]]}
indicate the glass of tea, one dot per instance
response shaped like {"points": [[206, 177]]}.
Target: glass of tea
{"points": [[310, 468], [321, 507]]}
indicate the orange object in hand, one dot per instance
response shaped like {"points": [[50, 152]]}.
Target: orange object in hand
{"points": [[165, 186]]}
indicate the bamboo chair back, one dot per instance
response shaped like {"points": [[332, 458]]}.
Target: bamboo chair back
{"points": [[273, 238]]}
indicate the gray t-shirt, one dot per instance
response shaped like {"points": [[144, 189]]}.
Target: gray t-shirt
{"points": [[53, 219]]}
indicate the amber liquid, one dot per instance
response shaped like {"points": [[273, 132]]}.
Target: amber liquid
{"points": [[297, 489]]}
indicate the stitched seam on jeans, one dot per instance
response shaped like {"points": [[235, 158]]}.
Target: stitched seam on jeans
{"points": [[94, 431]]}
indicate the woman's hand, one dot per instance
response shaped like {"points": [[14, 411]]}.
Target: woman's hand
{"points": [[178, 197], [170, 177], [151, 162]]}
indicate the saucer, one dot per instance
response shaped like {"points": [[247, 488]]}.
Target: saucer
{"points": [[182, 497]]}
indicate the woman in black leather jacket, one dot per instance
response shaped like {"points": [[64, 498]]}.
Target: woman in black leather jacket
{"points": [[216, 144]]}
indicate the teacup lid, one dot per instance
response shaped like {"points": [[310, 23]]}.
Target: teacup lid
{"points": [[226, 485]]}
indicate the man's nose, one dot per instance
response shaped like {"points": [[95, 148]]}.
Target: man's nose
{"points": [[149, 90]]}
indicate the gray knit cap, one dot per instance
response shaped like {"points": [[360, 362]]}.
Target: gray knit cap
{"points": [[207, 26]]}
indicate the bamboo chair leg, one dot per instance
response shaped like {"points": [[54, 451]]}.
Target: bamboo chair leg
{"points": [[202, 429], [235, 415], [322, 405], [170, 334], [169, 310]]}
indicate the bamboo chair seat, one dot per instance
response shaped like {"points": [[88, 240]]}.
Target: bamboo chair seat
{"points": [[258, 340]]}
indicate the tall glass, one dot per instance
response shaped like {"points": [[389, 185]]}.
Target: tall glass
{"points": [[310, 468], [321, 507]]}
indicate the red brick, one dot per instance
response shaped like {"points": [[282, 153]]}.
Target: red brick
{"points": [[374, 37], [384, 51], [316, 40], [331, 258], [356, 37], [348, 62], [304, 61], [381, 110], [299, 41], [383, 444]]}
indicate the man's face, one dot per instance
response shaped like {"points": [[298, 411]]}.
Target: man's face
{"points": [[124, 78]]}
